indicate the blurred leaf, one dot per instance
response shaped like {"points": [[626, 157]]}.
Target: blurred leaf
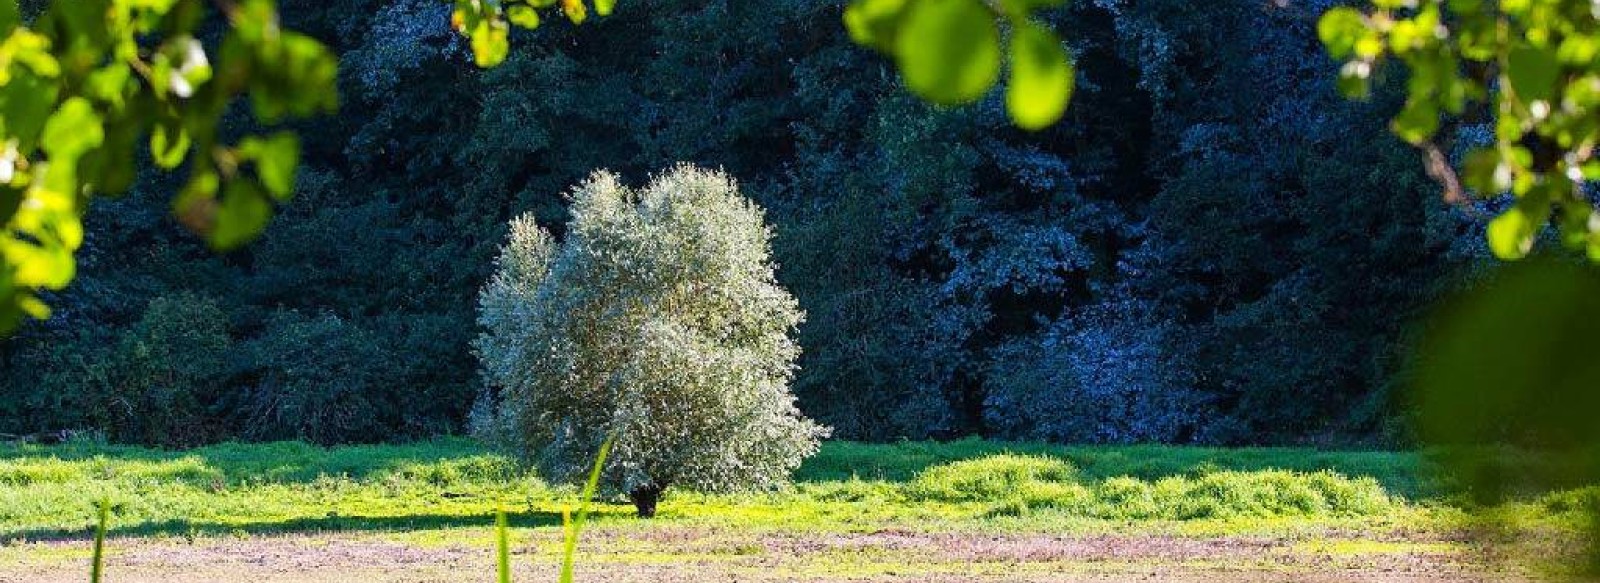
{"points": [[40, 266], [1417, 122], [72, 130], [169, 144], [1354, 86], [524, 16], [1041, 77], [874, 23], [604, 7], [490, 43], [9, 16], [1511, 234], [1533, 73], [24, 106], [575, 10], [1479, 171], [196, 205], [276, 158], [111, 168], [1340, 29], [1511, 363], [949, 50], [243, 214]]}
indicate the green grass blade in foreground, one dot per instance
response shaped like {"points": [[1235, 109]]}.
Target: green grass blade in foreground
{"points": [[576, 525], [99, 543], [502, 547]]}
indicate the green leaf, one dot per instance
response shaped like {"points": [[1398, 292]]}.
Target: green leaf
{"points": [[604, 7], [169, 144], [1353, 86], [243, 214], [9, 16], [24, 106], [49, 267], [1041, 77], [109, 84], [575, 10], [75, 128], [31, 306], [949, 50], [1511, 364], [490, 43], [10, 200], [1340, 29], [1533, 72], [1479, 172], [874, 23], [196, 205], [276, 159], [1417, 122], [1511, 234], [111, 168], [524, 16]]}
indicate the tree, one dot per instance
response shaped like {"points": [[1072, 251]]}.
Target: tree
{"points": [[85, 84], [657, 323]]}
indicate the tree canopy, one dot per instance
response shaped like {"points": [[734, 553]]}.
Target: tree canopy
{"points": [[658, 326]]}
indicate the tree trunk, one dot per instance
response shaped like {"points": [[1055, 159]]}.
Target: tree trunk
{"points": [[644, 499]]}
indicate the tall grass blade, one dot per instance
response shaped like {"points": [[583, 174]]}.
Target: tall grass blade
{"points": [[575, 525], [100, 543], [502, 546]]}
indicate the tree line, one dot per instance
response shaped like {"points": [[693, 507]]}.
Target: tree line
{"points": [[1211, 246]]}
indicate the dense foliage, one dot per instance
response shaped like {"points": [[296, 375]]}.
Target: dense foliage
{"points": [[1526, 68], [1212, 246], [657, 326], [86, 84]]}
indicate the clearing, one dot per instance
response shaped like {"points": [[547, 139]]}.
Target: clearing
{"points": [[963, 511]]}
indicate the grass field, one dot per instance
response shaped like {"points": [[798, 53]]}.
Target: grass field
{"points": [[962, 511]]}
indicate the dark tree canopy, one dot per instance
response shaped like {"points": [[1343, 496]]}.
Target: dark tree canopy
{"points": [[1212, 245]]}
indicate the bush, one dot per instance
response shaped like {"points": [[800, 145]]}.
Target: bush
{"points": [[658, 322], [990, 478], [312, 378], [1102, 374], [155, 382]]}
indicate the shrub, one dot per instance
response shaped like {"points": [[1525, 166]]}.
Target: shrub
{"points": [[658, 323], [990, 478], [1101, 374], [155, 382], [312, 378]]}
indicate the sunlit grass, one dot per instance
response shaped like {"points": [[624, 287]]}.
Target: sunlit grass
{"points": [[240, 489]]}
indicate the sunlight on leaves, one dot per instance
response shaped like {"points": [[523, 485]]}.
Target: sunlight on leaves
{"points": [[84, 84], [950, 52], [1526, 69], [1041, 78]]}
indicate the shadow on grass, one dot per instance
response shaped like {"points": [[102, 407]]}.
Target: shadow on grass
{"points": [[327, 524]]}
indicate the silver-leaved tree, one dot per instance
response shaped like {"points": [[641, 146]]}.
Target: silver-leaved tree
{"points": [[658, 322]]}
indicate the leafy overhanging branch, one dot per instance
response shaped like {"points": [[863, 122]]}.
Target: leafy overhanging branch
{"points": [[89, 83], [1531, 65]]}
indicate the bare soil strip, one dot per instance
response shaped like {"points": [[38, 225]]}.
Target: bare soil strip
{"points": [[679, 554]]}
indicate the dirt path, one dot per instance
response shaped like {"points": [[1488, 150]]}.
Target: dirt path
{"points": [[676, 554]]}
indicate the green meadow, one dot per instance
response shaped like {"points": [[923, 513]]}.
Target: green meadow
{"points": [[1308, 505]]}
